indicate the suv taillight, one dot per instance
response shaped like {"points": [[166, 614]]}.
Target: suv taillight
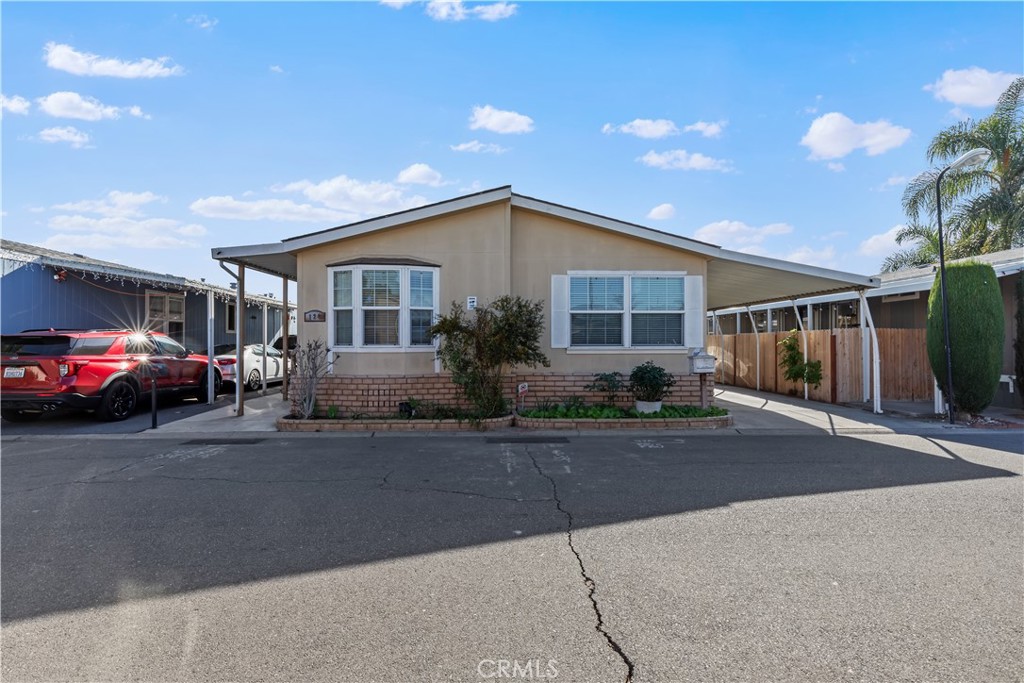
{"points": [[70, 367], [226, 361]]}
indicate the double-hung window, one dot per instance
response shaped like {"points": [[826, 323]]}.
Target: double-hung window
{"points": [[382, 307], [606, 310]]}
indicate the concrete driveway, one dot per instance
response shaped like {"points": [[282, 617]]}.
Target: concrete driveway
{"points": [[675, 557]]}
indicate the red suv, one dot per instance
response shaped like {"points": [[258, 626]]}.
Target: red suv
{"points": [[102, 370]]}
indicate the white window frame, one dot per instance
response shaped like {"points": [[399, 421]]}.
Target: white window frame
{"points": [[405, 323], [689, 282]]}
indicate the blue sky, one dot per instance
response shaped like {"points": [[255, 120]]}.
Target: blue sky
{"points": [[147, 133]]}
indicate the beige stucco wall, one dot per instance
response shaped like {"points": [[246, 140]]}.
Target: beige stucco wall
{"points": [[486, 252], [543, 246], [470, 247]]}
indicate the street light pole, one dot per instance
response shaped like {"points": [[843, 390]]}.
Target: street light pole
{"points": [[975, 157]]}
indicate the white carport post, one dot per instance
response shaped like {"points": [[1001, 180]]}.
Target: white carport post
{"points": [[865, 353], [264, 390], [210, 322], [285, 346], [721, 344], [877, 362], [240, 318], [757, 343], [803, 333]]}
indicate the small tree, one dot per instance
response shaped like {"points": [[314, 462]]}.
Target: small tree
{"points": [[479, 349], [1018, 344], [797, 369], [976, 329], [310, 368]]}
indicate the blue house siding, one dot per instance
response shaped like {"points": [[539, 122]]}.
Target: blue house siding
{"points": [[30, 298]]}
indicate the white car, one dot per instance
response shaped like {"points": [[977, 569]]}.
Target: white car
{"points": [[227, 359]]}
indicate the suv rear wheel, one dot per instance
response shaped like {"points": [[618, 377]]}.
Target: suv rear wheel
{"points": [[119, 401]]}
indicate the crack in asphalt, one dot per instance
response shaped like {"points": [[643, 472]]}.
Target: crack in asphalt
{"points": [[587, 580], [386, 485]]}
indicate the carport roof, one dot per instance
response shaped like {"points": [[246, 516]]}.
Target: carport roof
{"points": [[734, 278]]}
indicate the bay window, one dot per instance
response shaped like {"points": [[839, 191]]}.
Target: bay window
{"points": [[382, 307]]}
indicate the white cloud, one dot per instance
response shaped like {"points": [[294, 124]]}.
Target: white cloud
{"points": [[446, 10], [121, 224], [115, 204], [66, 58], [823, 258], [479, 147], [455, 10], [276, 69], [708, 130], [650, 129], [265, 210], [78, 232], [68, 134], [202, 21], [420, 174], [882, 244], [494, 11], [499, 121], [71, 105], [973, 87], [662, 212], [891, 182], [835, 167], [834, 135], [357, 199], [396, 4], [814, 109], [737, 234], [680, 159], [15, 105]]}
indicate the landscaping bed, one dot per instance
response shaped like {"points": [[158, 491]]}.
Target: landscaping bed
{"points": [[612, 417]]}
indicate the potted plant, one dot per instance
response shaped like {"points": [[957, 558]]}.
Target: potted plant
{"points": [[649, 384]]}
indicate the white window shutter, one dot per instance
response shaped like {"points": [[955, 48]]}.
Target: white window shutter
{"points": [[694, 305], [559, 311]]}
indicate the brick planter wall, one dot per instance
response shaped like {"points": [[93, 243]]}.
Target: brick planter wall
{"points": [[396, 425], [380, 396]]}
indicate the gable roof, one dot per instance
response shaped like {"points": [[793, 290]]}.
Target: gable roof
{"points": [[734, 278]]}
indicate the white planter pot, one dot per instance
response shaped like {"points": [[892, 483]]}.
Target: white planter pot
{"points": [[648, 406]]}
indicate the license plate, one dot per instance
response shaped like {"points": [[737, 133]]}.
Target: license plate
{"points": [[14, 372]]}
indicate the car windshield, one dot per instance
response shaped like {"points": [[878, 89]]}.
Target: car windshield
{"points": [[33, 345]]}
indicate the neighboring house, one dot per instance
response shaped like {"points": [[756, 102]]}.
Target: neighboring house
{"points": [[43, 288], [899, 309], [616, 294]]}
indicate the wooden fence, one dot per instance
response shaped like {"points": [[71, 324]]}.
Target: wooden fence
{"points": [[905, 372]]}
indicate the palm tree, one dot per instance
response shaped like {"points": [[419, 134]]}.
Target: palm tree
{"points": [[985, 204], [925, 249]]}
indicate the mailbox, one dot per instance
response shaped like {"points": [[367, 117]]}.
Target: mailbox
{"points": [[701, 362]]}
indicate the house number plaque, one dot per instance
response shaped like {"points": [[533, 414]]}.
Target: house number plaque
{"points": [[315, 317]]}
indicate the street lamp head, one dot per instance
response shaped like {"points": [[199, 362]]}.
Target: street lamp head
{"points": [[976, 157]]}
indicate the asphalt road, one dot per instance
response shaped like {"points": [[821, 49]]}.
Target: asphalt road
{"points": [[80, 422], [788, 558]]}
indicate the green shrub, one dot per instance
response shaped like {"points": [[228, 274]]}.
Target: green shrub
{"points": [[976, 329], [1018, 344], [609, 384], [650, 382], [562, 412], [478, 349], [796, 368]]}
